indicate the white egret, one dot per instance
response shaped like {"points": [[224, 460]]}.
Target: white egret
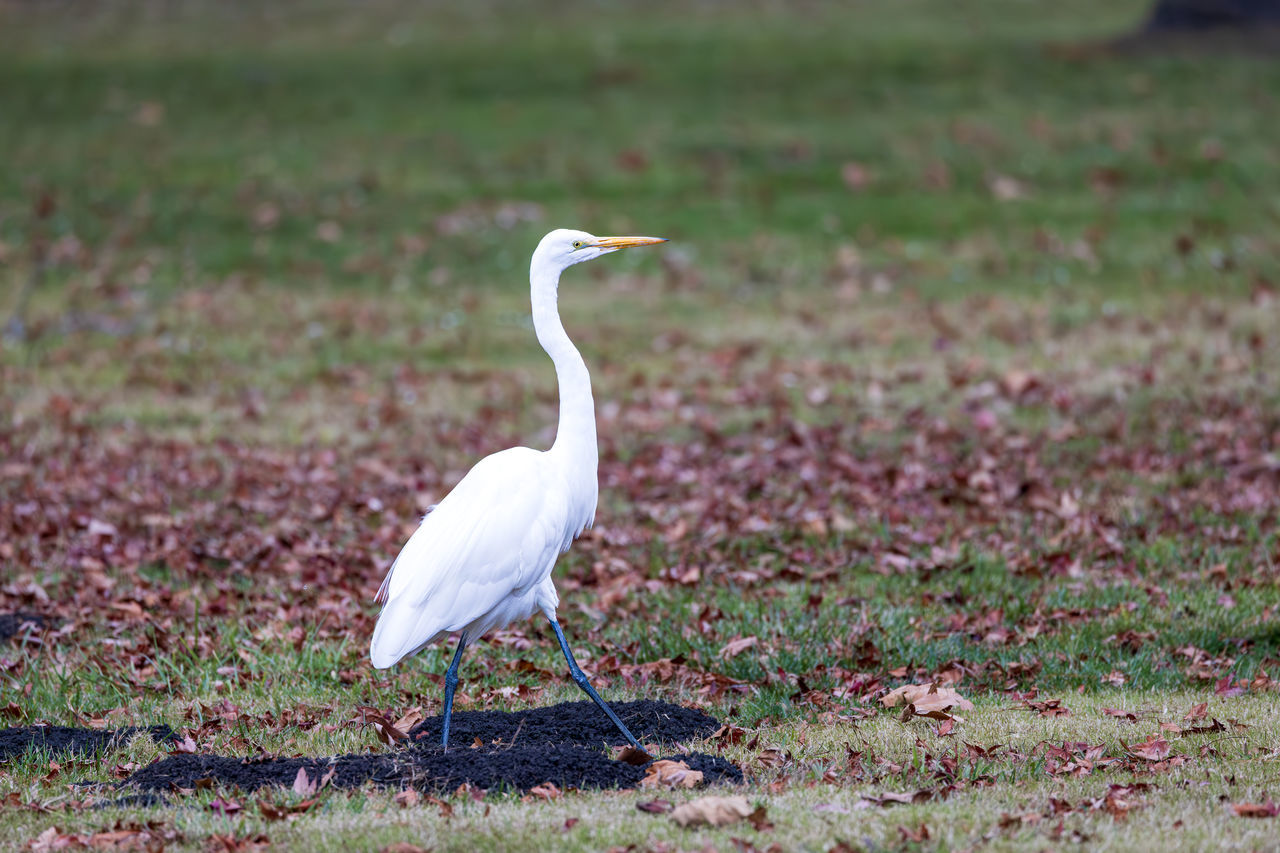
{"points": [[482, 558]]}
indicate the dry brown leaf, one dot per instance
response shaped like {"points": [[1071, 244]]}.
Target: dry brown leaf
{"points": [[889, 799], [547, 791], [186, 746], [1267, 809], [759, 819], [737, 646], [670, 774], [386, 730], [635, 757], [302, 783], [274, 811], [306, 786], [926, 698], [1207, 729], [410, 719], [730, 734], [118, 839], [1154, 749], [712, 811]]}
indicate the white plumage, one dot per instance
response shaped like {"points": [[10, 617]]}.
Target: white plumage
{"points": [[471, 572], [482, 558]]}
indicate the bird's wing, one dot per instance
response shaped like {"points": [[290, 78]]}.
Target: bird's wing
{"points": [[492, 535]]}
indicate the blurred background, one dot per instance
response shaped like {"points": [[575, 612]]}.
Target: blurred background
{"points": [[185, 181]]}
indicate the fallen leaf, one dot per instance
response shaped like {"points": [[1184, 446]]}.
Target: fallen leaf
{"points": [[227, 807], [729, 734], [670, 774], [737, 646], [306, 786], [1207, 729], [386, 730], [655, 806], [187, 746], [117, 839], [635, 757], [1267, 809], [45, 840], [410, 719], [547, 791], [275, 811], [773, 757], [890, 799], [1119, 800], [302, 783], [1154, 749], [759, 819], [926, 698], [712, 811]]}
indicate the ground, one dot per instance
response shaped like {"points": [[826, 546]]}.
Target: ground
{"points": [[960, 368]]}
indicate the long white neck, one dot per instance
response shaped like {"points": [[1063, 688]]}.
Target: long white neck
{"points": [[576, 433]]}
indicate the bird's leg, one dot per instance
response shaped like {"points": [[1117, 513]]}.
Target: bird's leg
{"points": [[581, 678], [450, 685]]}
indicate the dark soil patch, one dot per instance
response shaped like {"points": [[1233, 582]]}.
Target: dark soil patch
{"points": [[66, 739], [580, 723], [518, 768], [12, 623], [563, 744]]}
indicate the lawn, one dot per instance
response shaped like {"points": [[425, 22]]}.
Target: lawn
{"points": [[960, 367]]}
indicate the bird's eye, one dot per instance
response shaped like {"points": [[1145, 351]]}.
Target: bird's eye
{"points": [[577, 244]]}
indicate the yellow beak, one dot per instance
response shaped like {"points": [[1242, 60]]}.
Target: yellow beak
{"points": [[626, 242]]}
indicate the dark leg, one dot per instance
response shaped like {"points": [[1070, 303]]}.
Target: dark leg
{"points": [[581, 678], [450, 685]]}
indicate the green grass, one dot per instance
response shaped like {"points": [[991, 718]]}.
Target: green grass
{"points": [[913, 427]]}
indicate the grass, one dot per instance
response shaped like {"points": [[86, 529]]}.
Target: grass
{"points": [[961, 360]]}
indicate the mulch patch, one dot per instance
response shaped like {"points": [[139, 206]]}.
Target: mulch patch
{"points": [[565, 744], [519, 768], [67, 739], [580, 723]]}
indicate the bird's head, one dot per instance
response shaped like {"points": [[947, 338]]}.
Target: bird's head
{"points": [[565, 247]]}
